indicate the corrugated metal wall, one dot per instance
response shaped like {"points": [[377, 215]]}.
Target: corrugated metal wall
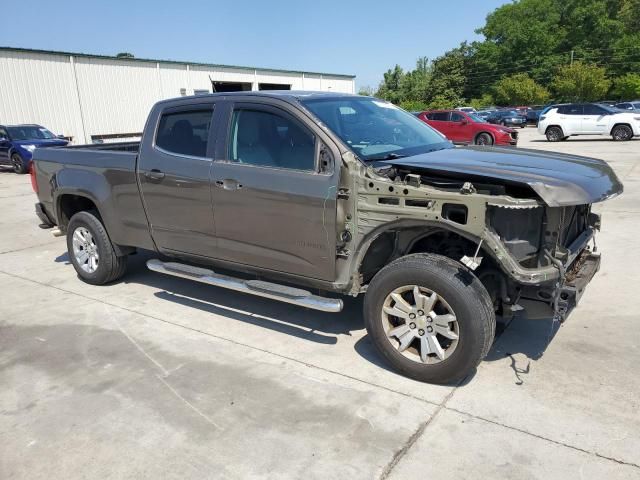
{"points": [[81, 97]]}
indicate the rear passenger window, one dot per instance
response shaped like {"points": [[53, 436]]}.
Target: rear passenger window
{"points": [[574, 110], [441, 116], [267, 139], [185, 133]]}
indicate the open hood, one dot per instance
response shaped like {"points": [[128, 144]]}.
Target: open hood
{"points": [[558, 179]]}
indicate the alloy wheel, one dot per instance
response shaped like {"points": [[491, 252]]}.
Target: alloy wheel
{"points": [[420, 324], [85, 250]]}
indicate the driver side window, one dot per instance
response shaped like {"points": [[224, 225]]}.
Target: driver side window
{"points": [[264, 138], [456, 117]]}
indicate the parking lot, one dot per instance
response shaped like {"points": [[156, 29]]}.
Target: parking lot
{"points": [[159, 377]]}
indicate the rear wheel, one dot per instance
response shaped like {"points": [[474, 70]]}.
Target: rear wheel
{"points": [[484, 139], [554, 134], [91, 251], [18, 163], [429, 317], [622, 133]]}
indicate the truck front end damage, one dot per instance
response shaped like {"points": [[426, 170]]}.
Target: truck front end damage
{"points": [[530, 252]]}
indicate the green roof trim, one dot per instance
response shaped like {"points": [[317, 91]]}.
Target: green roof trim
{"points": [[174, 62]]}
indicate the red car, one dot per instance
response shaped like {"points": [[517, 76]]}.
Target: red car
{"points": [[462, 127]]}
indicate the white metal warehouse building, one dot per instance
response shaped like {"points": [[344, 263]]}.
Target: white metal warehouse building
{"points": [[93, 98]]}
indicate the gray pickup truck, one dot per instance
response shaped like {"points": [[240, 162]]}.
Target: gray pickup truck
{"points": [[290, 193]]}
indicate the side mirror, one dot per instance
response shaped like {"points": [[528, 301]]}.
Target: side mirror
{"points": [[464, 121]]}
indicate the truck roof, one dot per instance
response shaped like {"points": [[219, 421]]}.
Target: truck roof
{"points": [[289, 95]]}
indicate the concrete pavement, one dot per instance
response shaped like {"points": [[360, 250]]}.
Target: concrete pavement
{"points": [[156, 377]]}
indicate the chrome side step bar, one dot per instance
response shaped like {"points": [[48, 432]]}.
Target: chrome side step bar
{"points": [[282, 293]]}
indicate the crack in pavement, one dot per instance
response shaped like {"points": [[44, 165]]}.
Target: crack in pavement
{"points": [[397, 457]]}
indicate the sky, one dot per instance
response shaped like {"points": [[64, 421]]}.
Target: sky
{"points": [[357, 37]]}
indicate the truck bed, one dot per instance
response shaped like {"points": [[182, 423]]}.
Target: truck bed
{"points": [[115, 146]]}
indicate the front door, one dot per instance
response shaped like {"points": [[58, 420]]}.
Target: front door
{"points": [[4, 145], [458, 128], [275, 201], [174, 175]]}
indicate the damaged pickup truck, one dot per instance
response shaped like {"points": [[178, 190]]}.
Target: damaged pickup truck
{"points": [[290, 193]]}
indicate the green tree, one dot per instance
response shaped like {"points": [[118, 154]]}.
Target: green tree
{"points": [[448, 77], [389, 88], [627, 87], [519, 89], [125, 55], [581, 82]]}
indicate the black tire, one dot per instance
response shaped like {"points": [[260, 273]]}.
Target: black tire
{"points": [[18, 164], [110, 266], [564, 139], [484, 139], [554, 134], [463, 292], [621, 133]]}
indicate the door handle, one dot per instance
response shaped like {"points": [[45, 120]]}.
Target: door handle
{"points": [[154, 174], [228, 184]]}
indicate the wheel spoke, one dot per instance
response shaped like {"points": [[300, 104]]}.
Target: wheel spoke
{"points": [[431, 302], [77, 235], [396, 312], [405, 340], [82, 256], [398, 331], [424, 349], [446, 332], [420, 300], [435, 347], [401, 303]]}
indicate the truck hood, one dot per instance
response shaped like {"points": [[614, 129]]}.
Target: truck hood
{"points": [[558, 179]]}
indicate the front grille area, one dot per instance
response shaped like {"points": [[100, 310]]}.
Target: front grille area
{"points": [[528, 233]]}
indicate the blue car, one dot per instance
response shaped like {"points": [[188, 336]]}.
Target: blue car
{"points": [[17, 143]]}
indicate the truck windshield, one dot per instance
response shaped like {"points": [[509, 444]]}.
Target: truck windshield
{"points": [[30, 132], [375, 129]]}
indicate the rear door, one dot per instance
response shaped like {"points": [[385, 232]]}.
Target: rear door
{"points": [[440, 121], [571, 118], [174, 176], [594, 119], [274, 187]]}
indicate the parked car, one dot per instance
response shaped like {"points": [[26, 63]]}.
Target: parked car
{"points": [[17, 143], [507, 118], [533, 116], [483, 114], [339, 193], [633, 105], [465, 128], [466, 109], [562, 121]]}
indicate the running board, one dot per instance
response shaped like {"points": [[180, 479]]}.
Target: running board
{"points": [[274, 291]]}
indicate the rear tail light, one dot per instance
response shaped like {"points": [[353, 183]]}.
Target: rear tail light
{"points": [[32, 174]]}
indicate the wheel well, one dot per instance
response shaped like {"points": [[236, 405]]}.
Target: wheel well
{"points": [[393, 244], [618, 125], [69, 205], [551, 126]]}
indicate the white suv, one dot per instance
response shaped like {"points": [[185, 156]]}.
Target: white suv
{"points": [[559, 122]]}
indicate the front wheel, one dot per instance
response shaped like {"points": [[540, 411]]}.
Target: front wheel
{"points": [[18, 163], [484, 139], [91, 251], [554, 134], [622, 133], [429, 317]]}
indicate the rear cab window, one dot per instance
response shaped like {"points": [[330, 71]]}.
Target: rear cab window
{"points": [[185, 131]]}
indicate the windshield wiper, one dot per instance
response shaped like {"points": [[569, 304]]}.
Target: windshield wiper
{"points": [[388, 156]]}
